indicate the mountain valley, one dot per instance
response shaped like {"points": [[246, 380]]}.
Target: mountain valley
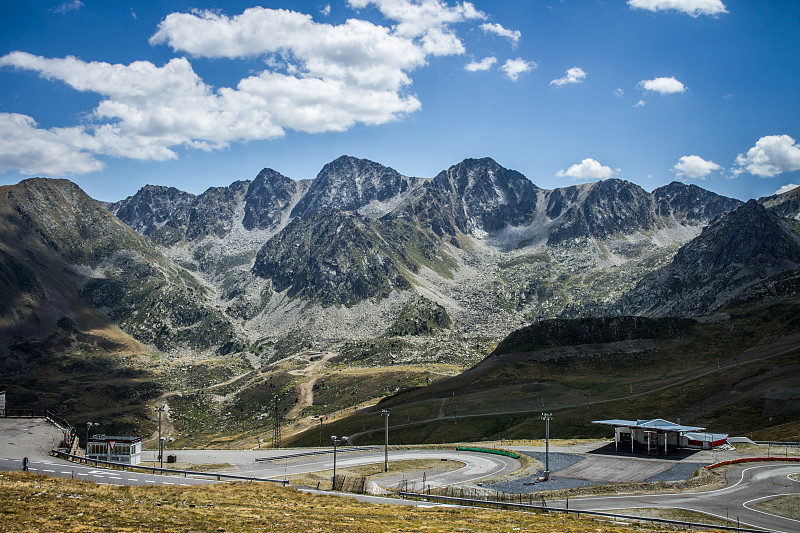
{"points": [[226, 300]]}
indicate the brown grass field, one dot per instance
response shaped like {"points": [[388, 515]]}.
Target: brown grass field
{"points": [[31, 502]]}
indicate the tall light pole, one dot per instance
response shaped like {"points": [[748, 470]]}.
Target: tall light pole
{"points": [[161, 450], [336, 441], [386, 414], [88, 426], [160, 409], [547, 417]]}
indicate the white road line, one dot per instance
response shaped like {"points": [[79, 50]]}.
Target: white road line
{"points": [[67, 472], [132, 479], [48, 470], [149, 481], [82, 474], [168, 483], [185, 485]]}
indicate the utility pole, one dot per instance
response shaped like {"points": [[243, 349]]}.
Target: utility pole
{"points": [[160, 410], [386, 414], [336, 441], [276, 430], [547, 417]]}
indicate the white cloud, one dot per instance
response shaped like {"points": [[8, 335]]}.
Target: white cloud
{"points": [[70, 5], [663, 85], [640, 103], [694, 8], [497, 29], [53, 152], [325, 10], [573, 75], [484, 64], [313, 77], [772, 155], [618, 93], [587, 169], [514, 67], [786, 188], [427, 20], [148, 110], [694, 167], [357, 52]]}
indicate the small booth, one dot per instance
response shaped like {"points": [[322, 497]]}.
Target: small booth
{"points": [[127, 450], [659, 434]]}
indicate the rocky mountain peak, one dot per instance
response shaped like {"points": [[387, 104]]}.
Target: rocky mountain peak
{"points": [[744, 247], [786, 204], [267, 198], [690, 203], [151, 207], [349, 183]]}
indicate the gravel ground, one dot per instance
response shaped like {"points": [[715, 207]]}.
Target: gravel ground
{"points": [[559, 461], [678, 472]]}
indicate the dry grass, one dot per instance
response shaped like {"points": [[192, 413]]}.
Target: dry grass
{"points": [[677, 514], [375, 471], [30, 502], [788, 506]]}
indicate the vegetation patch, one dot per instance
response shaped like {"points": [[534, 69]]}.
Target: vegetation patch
{"points": [[30, 502]]}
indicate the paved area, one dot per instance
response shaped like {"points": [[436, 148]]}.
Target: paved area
{"points": [[28, 437], [747, 484]]}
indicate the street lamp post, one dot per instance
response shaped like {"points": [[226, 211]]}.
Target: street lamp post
{"points": [[161, 450], [547, 417], [88, 426], [386, 414], [160, 409], [336, 441]]}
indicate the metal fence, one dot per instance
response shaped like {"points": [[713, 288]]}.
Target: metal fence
{"points": [[543, 508], [165, 471], [356, 485]]}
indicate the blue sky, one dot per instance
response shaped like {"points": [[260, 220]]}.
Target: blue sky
{"points": [[193, 94]]}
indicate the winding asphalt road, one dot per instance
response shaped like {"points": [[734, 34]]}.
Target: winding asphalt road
{"points": [[747, 485]]}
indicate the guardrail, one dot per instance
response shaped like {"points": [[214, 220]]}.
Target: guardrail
{"points": [[544, 508], [487, 450], [753, 460], [154, 469]]}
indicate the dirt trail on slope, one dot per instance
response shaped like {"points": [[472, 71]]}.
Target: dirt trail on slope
{"points": [[313, 371]]}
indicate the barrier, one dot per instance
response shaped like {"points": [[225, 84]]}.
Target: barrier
{"points": [[487, 450], [753, 460], [154, 469], [544, 508]]}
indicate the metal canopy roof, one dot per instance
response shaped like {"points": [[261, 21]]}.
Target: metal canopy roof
{"points": [[656, 424]]}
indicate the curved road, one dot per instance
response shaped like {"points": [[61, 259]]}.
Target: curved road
{"points": [[747, 485], [477, 465]]}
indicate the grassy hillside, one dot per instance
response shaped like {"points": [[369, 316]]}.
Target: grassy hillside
{"points": [[30, 502], [734, 373]]}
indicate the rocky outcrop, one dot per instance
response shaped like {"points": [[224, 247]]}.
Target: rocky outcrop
{"points": [[745, 247]]}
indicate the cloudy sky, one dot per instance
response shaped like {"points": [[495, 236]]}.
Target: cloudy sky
{"points": [[193, 94]]}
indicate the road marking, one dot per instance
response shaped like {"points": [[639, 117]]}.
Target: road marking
{"points": [[67, 472], [149, 481], [48, 470], [82, 474], [32, 469], [168, 483], [132, 479], [185, 485]]}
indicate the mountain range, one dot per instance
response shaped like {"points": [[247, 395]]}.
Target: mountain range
{"points": [[278, 264]]}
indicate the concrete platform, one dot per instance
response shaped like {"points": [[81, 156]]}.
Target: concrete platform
{"points": [[28, 437], [615, 469]]}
